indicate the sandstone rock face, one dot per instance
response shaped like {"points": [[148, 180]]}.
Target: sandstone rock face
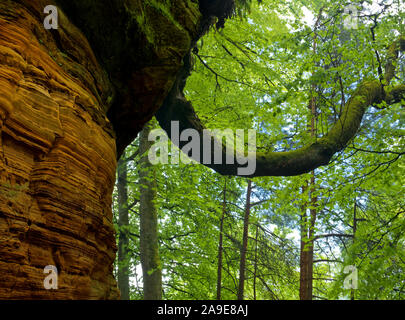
{"points": [[141, 44], [57, 162], [63, 105]]}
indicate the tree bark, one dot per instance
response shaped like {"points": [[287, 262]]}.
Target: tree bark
{"points": [[307, 247], [307, 250], [242, 267], [304, 255], [220, 244], [255, 266], [123, 225], [151, 266], [307, 226], [353, 292]]}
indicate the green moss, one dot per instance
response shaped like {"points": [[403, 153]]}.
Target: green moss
{"points": [[12, 191], [164, 9], [146, 20]]}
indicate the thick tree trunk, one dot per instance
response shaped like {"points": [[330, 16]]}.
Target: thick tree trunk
{"points": [[242, 267], [151, 267], [123, 224]]}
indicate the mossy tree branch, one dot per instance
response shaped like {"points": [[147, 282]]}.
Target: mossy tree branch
{"points": [[295, 162]]}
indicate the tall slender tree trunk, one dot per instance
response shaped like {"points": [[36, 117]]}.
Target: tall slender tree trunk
{"points": [[307, 240], [303, 258], [242, 268], [255, 266], [311, 235], [123, 224], [308, 222], [220, 244], [352, 293], [305, 293], [307, 245], [150, 260]]}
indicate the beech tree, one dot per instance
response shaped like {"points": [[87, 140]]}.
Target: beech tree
{"points": [[368, 93]]}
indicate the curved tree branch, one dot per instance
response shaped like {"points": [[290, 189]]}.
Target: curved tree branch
{"points": [[295, 162]]}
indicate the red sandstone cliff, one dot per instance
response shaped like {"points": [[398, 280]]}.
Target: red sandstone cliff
{"points": [[64, 103]]}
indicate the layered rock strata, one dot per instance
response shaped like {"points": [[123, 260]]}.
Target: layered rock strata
{"points": [[66, 97]]}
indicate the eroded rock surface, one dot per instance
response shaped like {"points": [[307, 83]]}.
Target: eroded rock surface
{"points": [[66, 97], [57, 161]]}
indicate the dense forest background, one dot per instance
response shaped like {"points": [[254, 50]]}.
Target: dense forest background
{"points": [[286, 69]]}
